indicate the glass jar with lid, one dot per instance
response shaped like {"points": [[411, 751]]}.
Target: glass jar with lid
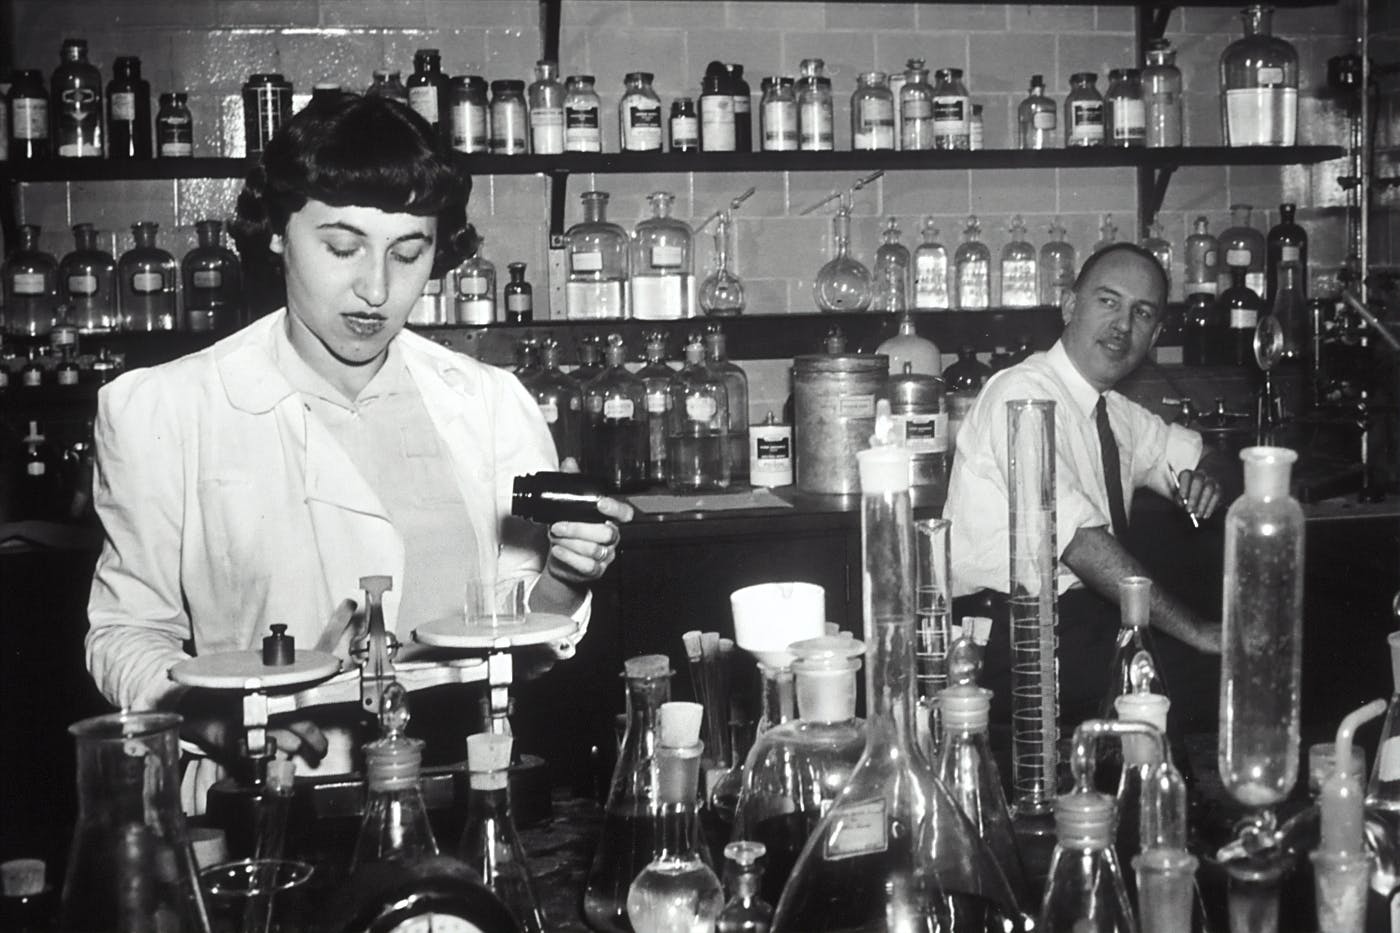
{"points": [[872, 112], [582, 127], [952, 111], [471, 114], [1162, 95], [509, 124], [30, 286], [930, 271], [599, 264], [546, 99], [1124, 109], [663, 282], [815, 117], [474, 289], [639, 114], [916, 108], [1018, 273], [973, 265], [1259, 85], [778, 114], [147, 275], [1084, 116]]}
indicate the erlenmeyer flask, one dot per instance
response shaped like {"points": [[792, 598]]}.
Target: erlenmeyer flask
{"points": [[1086, 884], [490, 843], [631, 819], [131, 860], [894, 852]]}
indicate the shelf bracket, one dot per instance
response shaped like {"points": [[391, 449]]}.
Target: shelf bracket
{"points": [[550, 21], [558, 197], [1152, 191], [1152, 23]]}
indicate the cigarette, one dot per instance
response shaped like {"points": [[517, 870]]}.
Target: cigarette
{"points": [[1176, 487]]}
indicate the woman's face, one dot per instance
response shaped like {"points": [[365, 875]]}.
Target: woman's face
{"points": [[353, 274]]}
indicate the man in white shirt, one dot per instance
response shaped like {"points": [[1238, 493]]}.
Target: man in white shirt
{"points": [[1112, 318]]}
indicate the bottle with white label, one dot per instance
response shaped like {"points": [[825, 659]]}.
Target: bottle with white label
{"points": [[87, 282], [815, 118], [128, 111], [428, 90], [930, 271], [174, 127], [546, 98], [599, 264], [639, 114], [1019, 279], [213, 280], [656, 375], [1259, 85], [1124, 109], [663, 280], [717, 128], [77, 103], [474, 289], [1084, 116], [147, 277], [778, 115], [697, 440], [1287, 244], [973, 266], [952, 111], [1037, 118], [916, 108], [471, 114], [872, 112], [519, 296], [30, 278], [28, 103], [1242, 306], [615, 440], [583, 130], [1202, 261], [770, 453], [509, 119], [1243, 246], [1057, 266]]}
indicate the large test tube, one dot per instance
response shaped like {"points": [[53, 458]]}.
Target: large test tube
{"points": [[932, 637], [1030, 425]]}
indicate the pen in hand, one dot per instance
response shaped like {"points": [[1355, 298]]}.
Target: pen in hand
{"points": [[1176, 487]]}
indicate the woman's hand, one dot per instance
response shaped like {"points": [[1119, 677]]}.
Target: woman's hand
{"points": [[581, 552]]}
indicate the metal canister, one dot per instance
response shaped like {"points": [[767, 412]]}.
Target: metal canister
{"points": [[916, 401], [834, 409], [267, 104]]}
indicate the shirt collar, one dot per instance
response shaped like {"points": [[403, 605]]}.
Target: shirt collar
{"points": [[306, 381], [1084, 395]]}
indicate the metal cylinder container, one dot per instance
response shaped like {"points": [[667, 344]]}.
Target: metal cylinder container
{"points": [[834, 408], [917, 401]]}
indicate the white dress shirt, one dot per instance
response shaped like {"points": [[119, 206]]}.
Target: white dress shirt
{"points": [[977, 489]]}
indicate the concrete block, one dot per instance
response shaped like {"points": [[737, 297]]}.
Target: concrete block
{"points": [[268, 13], [311, 57], [870, 16], [746, 15], [962, 17], [222, 59], [938, 50], [373, 13], [1014, 191], [794, 247], [1099, 190], [929, 193], [990, 54], [1038, 18], [759, 52], [846, 55]]}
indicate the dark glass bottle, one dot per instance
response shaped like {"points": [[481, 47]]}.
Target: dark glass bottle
{"points": [[716, 110], [519, 296], [63, 345], [1241, 307], [29, 116], [685, 126], [1287, 244], [551, 496], [743, 108], [30, 278], [87, 283], [1001, 359], [1205, 337], [560, 401], [615, 443], [77, 103], [427, 90], [174, 127], [963, 380], [213, 279], [1242, 245], [590, 360], [656, 377], [128, 111], [147, 276]]}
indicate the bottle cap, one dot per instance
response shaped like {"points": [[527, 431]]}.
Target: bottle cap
{"points": [[647, 665], [827, 653], [965, 707], [1084, 819], [745, 852], [679, 724], [1135, 601], [488, 761]]}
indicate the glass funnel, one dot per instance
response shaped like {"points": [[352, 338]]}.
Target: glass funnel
{"points": [[843, 284], [722, 292], [131, 858], [973, 262], [796, 769], [894, 852]]}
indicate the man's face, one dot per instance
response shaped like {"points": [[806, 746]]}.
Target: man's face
{"points": [[1113, 318]]}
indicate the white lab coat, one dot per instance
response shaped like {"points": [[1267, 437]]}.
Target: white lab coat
{"points": [[227, 508]]}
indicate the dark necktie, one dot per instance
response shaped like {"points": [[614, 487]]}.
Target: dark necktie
{"points": [[1112, 470]]}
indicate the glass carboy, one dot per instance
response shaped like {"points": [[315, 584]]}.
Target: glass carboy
{"points": [[1037, 118], [796, 769], [697, 436], [663, 283], [582, 107], [872, 112], [894, 851], [560, 402], [656, 377], [722, 292], [843, 284], [630, 835], [973, 262], [490, 843], [1162, 95], [736, 383], [891, 271], [1259, 85], [147, 275], [930, 271], [615, 443], [129, 822], [31, 286], [598, 264], [1019, 282], [1057, 267], [213, 279], [87, 279]]}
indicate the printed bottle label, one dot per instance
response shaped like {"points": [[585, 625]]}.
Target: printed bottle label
{"points": [[586, 262], [28, 283], [1266, 75], [1086, 120], [856, 406], [618, 408], [700, 407], [550, 410], [471, 285], [685, 133], [469, 128], [424, 99], [641, 129], [1238, 257], [1244, 318], [1129, 120], [147, 283], [1045, 120], [1290, 254], [208, 278], [581, 132], [875, 124], [82, 285], [779, 126], [666, 257], [518, 302], [123, 106], [656, 402], [860, 830], [30, 118]]}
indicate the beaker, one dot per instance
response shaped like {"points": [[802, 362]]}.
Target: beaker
{"points": [[257, 896], [130, 866]]}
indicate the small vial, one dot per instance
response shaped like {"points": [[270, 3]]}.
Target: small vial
{"points": [[471, 114], [685, 126], [508, 121], [520, 297], [639, 114], [778, 115], [174, 127], [582, 127]]}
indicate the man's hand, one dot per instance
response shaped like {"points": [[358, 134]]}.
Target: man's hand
{"points": [[1199, 493]]}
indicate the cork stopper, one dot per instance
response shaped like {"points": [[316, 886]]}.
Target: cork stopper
{"points": [[965, 708], [1084, 820], [679, 725], [645, 666], [488, 761], [1135, 601]]}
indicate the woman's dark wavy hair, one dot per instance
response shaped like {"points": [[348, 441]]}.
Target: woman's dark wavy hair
{"points": [[348, 149]]}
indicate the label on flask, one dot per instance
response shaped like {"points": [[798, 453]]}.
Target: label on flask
{"points": [[926, 434], [81, 285], [1267, 75], [1243, 318], [770, 455], [28, 283], [1290, 254], [29, 118], [586, 262], [1045, 119], [874, 124], [469, 132], [1129, 120], [471, 285], [916, 108], [656, 402], [123, 106], [685, 133], [930, 282], [519, 302], [779, 126], [700, 407], [717, 122], [1238, 257], [1086, 121], [424, 100], [618, 409], [815, 133], [666, 257], [859, 830], [208, 278], [581, 130], [550, 411], [146, 283], [641, 126], [856, 406]]}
